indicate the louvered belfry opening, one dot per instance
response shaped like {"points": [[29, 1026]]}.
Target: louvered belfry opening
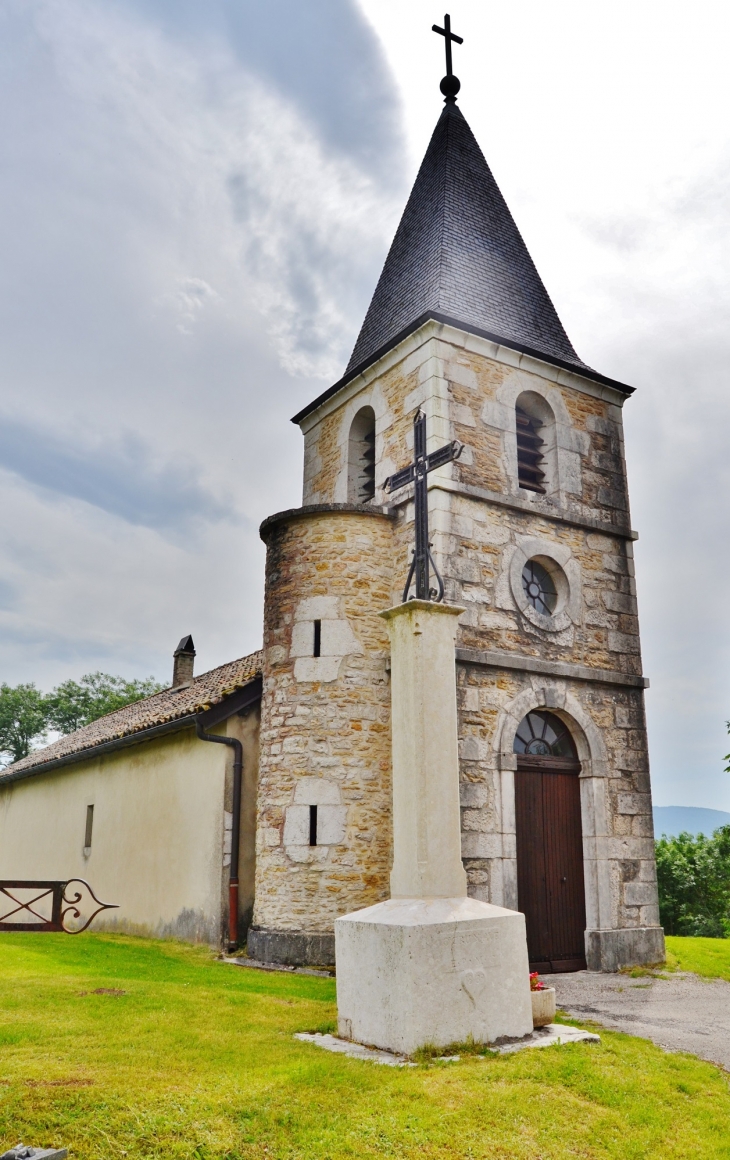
{"points": [[367, 486], [361, 473], [529, 452]]}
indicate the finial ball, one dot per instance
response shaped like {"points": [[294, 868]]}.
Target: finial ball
{"points": [[450, 86]]}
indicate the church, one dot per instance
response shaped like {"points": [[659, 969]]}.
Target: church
{"points": [[252, 805]]}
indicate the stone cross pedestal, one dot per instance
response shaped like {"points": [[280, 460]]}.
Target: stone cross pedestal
{"points": [[429, 966]]}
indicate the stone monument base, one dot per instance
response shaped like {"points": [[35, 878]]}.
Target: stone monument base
{"points": [[610, 950], [418, 971]]}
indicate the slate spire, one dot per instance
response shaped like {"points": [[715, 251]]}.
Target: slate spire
{"points": [[458, 255]]}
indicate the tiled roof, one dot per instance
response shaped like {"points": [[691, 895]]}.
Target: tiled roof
{"points": [[457, 252], [206, 690]]}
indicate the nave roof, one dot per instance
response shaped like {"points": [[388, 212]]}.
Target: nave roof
{"points": [[170, 705]]}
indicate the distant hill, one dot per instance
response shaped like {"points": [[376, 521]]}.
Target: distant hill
{"points": [[673, 820]]}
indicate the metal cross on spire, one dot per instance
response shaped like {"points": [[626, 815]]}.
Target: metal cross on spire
{"points": [[417, 472], [451, 84]]}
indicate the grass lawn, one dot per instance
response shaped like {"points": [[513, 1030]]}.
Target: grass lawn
{"points": [[704, 956], [117, 1047]]}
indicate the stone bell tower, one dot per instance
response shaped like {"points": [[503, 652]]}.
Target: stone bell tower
{"points": [[531, 533]]}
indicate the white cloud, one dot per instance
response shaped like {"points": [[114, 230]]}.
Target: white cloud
{"points": [[190, 299], [180, 235], [264, 203]]}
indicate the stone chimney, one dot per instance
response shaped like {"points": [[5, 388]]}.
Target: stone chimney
{"points": [[183, 662]]}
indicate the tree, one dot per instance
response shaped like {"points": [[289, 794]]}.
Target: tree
{"points": [[22, 720], [74, 704], [694, 884]]}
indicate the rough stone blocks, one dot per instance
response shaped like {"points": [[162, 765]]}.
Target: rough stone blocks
{"points": [[610, 950]]}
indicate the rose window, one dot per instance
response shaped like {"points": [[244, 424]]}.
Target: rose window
{"points": [[539, 587]]}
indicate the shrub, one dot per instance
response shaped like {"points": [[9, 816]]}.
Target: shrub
{"points": [[694, 884]]}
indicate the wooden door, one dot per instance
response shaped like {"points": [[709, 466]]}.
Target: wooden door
{"points": [[550, 885]]}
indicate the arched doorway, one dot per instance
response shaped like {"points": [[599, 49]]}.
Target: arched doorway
{"points": [[550, 884]]}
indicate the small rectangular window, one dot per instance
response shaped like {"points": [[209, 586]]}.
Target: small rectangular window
{"points": [[89, 827], [317, 638], [312, 825]]}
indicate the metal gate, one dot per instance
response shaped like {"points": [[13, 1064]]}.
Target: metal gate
{"points": [[49, 906]]}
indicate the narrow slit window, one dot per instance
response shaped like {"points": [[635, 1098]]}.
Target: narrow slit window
{"points": [[529, 452], [312, 825], [89, 827], [317, 645]]}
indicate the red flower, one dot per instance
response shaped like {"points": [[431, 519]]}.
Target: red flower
{"points": [[536, 983]]}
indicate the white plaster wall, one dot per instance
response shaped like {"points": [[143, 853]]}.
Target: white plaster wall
{"points": [[158, 836]]}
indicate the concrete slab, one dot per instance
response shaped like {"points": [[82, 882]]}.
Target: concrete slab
{"points": [[554, 1035], [255, 965], [353, 1050], [679, 1012], [27, 1152]]}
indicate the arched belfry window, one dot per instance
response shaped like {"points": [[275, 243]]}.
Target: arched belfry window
{"points": [[361, 457], [529, 452]]}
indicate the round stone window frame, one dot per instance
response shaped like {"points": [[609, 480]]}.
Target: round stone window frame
{"points": [[564, 571]]}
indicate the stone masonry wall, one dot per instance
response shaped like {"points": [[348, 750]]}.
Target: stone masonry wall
{"points": [[470, 396], [599, 626], [617, 820], [325, 721], [484, 528], [468, 387]]}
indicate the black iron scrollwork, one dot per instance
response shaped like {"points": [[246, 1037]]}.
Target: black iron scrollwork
{"points": [[47, 896], [71, 907]]}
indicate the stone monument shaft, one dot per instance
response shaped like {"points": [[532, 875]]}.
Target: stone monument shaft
{"points": [[430, 965], [426, 816]]}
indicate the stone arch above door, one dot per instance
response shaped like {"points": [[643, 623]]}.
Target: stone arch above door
{"points": [[585, 733]]}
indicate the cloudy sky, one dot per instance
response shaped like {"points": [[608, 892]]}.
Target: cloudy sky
{"points": [[196, 197]]}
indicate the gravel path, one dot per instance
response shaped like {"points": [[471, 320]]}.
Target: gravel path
{"points": [[680, 1012]]}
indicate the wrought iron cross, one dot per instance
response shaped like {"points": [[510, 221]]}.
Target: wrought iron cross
{"points": [[417, 472], [450, 85]]}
